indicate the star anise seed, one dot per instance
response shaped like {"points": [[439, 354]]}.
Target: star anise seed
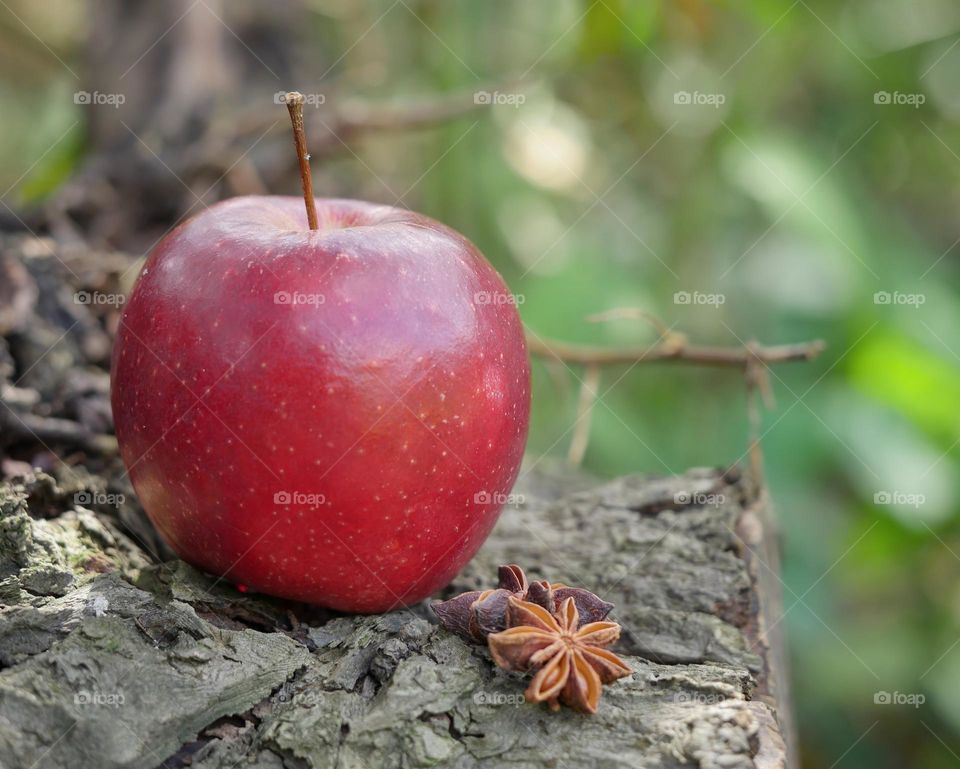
{"points": [[571, 660], [478, 613]]}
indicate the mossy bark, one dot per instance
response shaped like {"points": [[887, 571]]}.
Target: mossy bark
{"points": [[109, 661]]}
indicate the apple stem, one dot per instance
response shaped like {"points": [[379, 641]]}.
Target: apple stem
{"points": [[294, 101]]}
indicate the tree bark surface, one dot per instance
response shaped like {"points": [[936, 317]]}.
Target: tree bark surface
{"points": [[109, 661]]}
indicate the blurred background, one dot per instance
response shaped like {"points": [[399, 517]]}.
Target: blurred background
{"points": [[773, 170]]}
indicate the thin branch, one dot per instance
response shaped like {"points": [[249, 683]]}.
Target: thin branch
{"points": [[581, 432], [758, 389], [631, 313], [344, 119], [356, 116], [752, 359], [670, 350], [55, 430]]}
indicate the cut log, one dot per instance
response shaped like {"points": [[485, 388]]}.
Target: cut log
{"points": [[109, 662]]}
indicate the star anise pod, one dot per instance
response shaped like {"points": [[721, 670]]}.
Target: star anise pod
{"points": [[476, 614], [571, 660]]}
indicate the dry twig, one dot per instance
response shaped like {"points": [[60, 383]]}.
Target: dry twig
{"points": [[753, 359], [669, 350]]}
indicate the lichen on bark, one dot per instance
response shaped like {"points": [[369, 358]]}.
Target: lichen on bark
{"points": [[110, 661]]}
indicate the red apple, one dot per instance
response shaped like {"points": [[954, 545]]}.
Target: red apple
{"points": [[333, 415]]}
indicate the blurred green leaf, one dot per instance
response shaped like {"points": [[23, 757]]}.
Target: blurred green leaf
{"points": [[925, 387]]}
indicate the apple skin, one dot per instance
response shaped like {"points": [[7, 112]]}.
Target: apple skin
{"points": [[330, 416]]}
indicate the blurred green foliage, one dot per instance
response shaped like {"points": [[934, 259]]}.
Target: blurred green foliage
{"points": [[815, 197]]}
